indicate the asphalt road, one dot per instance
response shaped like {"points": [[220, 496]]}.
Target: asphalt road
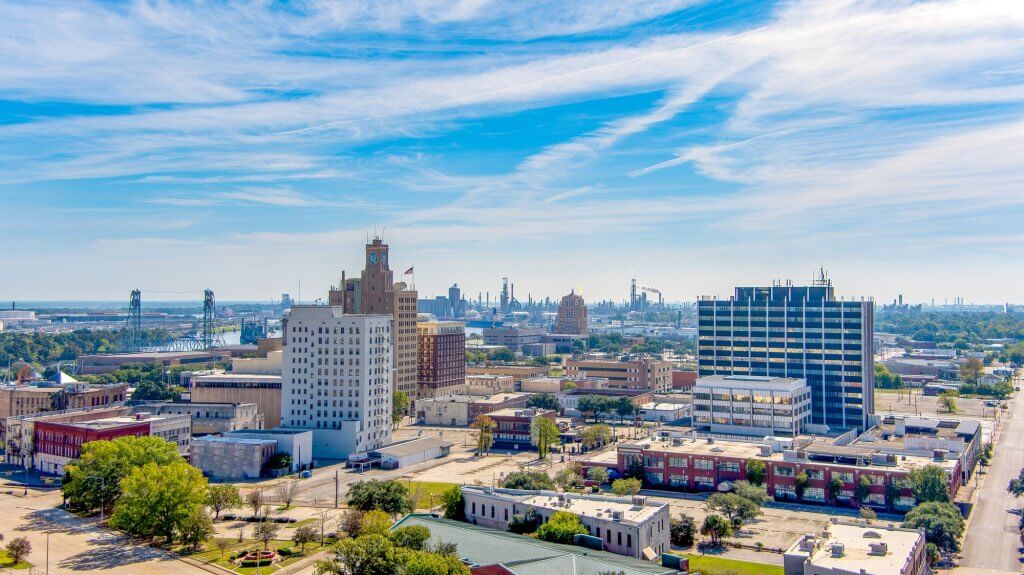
{"points": [[992, 540]]}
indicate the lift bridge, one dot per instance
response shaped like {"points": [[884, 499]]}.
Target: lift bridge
{"points": [[202, 336]]}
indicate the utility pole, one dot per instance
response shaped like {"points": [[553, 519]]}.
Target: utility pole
{"points": [[335, 488]]}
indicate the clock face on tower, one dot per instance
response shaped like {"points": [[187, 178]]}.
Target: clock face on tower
{"points": [[373, 258]]}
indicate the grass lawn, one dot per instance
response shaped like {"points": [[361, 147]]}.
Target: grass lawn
{"points": [[711, 565], [7, 563], [425, 493]]}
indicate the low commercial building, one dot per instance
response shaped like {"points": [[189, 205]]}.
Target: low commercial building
{"points": [[231, 458], [297, 443], [684, 379], [940, 368], [461, 410], [751, 405], [631, 526], [262, 390], [661, 412], [209, 418], [411, 452], [569, 400], [490, 552], [512, 337], [489, 384], [518, 372], [848, 548], [557, 384], [107, 363], [938, 438], [57, 442], [61, 393], [513, 427], [561, 343], [713, 464], [645, 373]]}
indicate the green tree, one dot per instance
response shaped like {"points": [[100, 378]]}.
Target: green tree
{"points": [[800, 484], [634, 468], [626, 486], [1017, 484], [929, 483], [598, 474], [544, 434], [503, 355], [885, 379], [375, 523], [596, 435], [94, 478], [682, 531], [863, 489], [757, 494], [411, 537], [624, 407], [364, 555], [265, 532], [528, 480], [561, 528], [221, 497], [304, 535], [18, 549], [717, 528], [868, 513], [947, 401], [567, 479], [738, 510], [389, 496], [434, 564], [159, 499], [942, 523], [399, 407], [931, 551], [195, 529], [485, 426], [832, 489], [757, 471], [971, 370], [453, 504], [543, 401]]}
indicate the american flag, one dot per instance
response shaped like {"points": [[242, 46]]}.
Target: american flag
{"points": [[409, 271]]}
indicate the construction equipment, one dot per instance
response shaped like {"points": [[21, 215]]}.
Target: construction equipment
{"points": [[24, 374]]}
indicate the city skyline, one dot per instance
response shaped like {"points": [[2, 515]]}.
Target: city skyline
{"points": [[695, 146]]}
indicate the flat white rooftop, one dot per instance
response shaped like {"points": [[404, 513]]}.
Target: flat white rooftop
{"points": [[857, 555]]}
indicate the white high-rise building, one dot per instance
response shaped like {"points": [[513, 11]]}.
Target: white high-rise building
{"points": [[336, 379]]}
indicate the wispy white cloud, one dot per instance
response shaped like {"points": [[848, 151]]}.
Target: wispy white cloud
{"points": [[840, 118]]}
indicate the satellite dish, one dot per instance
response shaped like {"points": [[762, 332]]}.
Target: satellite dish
{"points": [[400, 286]]}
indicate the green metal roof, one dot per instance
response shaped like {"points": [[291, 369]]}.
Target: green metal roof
{"points": [[525, 555]]}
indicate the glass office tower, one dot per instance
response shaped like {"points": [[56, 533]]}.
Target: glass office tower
{"points": [[796, 331]]}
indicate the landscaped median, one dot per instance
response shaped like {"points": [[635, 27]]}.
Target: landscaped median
{"points": [[241, 557]]}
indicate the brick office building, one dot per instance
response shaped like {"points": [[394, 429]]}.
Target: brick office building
{"points": [[698, 465], [441, 358]]}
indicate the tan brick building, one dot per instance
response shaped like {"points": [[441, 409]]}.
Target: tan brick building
{"points": [[644, 373], [375, 292]]}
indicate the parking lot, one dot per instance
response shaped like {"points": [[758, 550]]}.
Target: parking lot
{"points": [[913, 402]]}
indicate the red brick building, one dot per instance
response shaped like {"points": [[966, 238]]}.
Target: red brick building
{"points": [[684, 379], [514, 426], [441, 358], [699, 465]]}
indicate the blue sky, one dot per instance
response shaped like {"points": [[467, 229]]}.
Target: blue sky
{"points": [[694, 145]]}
